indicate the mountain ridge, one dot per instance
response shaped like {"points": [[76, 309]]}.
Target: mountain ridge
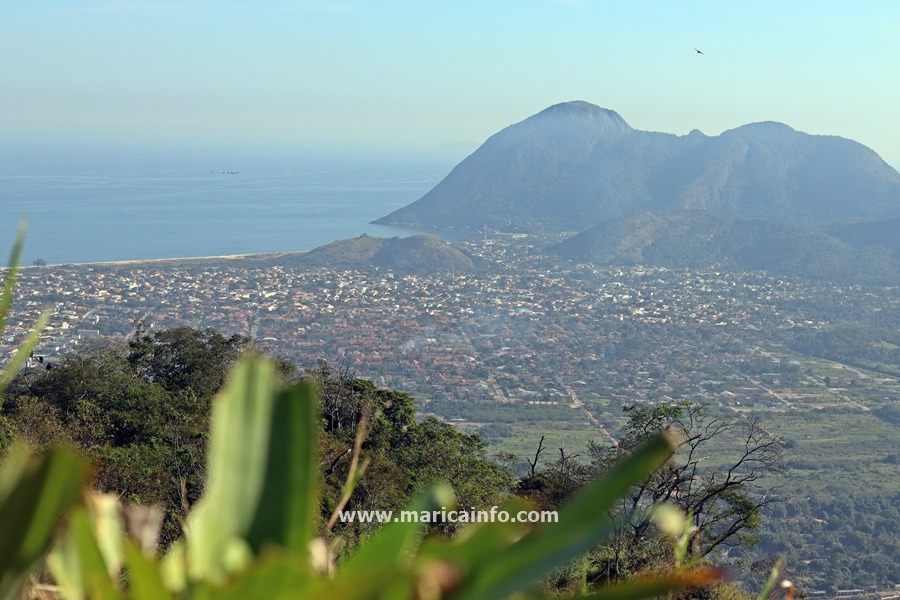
{"points": [[574, 165]]}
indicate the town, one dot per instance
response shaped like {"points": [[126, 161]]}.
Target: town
{"points": [[519, 333], [527, 347]]}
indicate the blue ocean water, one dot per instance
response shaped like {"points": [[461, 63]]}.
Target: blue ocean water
{"points": [[98, 205]]}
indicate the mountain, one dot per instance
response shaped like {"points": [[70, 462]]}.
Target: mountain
{"points": [[414, 254], [574, 165], [701, 240]]}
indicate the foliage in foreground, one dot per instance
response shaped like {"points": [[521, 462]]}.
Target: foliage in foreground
{"points": [[140, 411], [252, 533]]}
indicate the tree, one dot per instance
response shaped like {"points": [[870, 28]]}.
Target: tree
{"points": [[140, 411], [185, 358], [434, 451], [725, 500], [551, 487], [404, 457]]}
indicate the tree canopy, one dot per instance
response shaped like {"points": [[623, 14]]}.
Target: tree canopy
{"points": [[141, 411]]}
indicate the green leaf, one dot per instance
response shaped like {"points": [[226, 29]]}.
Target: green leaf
{"points": [[289, 496], [273, 575], [479, 542], [777, 568], [108, 529], [173, 567], [583, 523], [391, 548], [262, 473], [387, 583], [9, 284], [86, 560], [35, 491], [78, 564], [145, 580], [238, 450]]}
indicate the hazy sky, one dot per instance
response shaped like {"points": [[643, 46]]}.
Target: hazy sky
{"points": [[420, 74]]}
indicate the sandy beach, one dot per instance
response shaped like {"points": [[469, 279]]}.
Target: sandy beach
{"points": [[162, 261]]}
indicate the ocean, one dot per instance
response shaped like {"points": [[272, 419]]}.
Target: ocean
{"points": [[97, 205]]}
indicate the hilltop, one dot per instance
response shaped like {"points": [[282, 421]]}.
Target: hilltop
{"points": [[575, 165], [413, 254]]}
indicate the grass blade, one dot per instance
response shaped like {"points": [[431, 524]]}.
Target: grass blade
{"points": [[479, 542], [78, 563], [24, 351], [10, 281], [35, 491], [777, 568], [238, 451]]}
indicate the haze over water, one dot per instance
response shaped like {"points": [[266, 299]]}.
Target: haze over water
{"points": [[90, 205]]}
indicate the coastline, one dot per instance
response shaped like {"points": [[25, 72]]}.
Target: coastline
{"points": [[169, 261]]}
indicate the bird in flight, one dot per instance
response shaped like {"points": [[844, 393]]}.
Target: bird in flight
{"points": [[697, 51]]}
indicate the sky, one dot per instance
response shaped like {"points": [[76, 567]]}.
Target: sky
{"points": [[419, 76]]}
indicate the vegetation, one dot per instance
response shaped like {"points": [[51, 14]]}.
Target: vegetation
{"points": [[700, 240], [855, 344], [252, 532], [413, 254], [725, 501], [140, 412], [841, 501], [144, 424]]}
